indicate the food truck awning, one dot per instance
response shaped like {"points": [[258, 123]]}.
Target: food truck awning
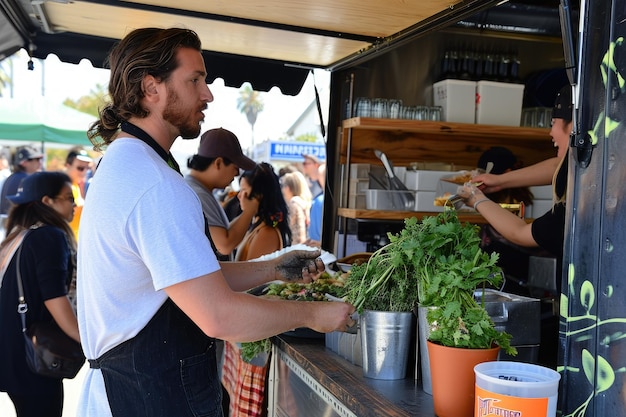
{"points": [[267, 43]]}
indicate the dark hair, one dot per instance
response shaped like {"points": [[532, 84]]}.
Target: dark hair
{"points": [[201, 163], [23, 216], [146, 51], [273, 209]]}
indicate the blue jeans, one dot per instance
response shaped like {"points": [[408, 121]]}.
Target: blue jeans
{"points": [[168, 369]]}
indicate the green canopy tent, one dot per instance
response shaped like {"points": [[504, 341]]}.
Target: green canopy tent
{"points": [[39, 120]]}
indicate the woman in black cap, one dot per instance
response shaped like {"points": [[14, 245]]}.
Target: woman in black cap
{"points": [[44, 203], [546, 231]]}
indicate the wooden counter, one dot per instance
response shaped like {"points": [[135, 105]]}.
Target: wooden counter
{"points": [[365, 397]]}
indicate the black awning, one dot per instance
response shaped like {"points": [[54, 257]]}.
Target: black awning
{"points": [[233, 69], [262, 74]]}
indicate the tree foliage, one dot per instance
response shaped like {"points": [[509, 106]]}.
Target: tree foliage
{"points": [[5, 78], [90, 103]]}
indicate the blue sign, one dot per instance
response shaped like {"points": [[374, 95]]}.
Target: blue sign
{"points": [[292, 151]]}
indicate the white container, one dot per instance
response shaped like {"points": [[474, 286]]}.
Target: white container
{"points": [[425, 201], [515, 387], [543, 192], [359, 171], [359, 185], [457, 99], [499, 103], [393, 200], [422, 180], [400, 172], [357, 201]]}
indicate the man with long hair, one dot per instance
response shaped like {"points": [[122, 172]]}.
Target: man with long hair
{"points": [[151, 294]]}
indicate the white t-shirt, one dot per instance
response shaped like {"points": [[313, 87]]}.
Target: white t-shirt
{"points": [[141, 230]]}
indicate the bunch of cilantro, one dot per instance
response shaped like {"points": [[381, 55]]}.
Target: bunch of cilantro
{"points": [[433, 262]]}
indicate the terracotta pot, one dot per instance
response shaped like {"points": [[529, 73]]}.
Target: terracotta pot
{"points": [[453, 378]]}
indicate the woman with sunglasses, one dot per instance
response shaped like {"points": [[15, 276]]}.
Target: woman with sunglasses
{"points": [[44, 203]]}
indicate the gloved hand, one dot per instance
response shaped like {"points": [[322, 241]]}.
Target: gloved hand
{"points": [[470, 193]]}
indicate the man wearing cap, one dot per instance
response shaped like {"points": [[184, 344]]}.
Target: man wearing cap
{"points": [[214, 167], [77, 164], [311, 166], [27, 160]]}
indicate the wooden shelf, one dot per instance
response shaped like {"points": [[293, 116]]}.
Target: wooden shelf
{"points": [[401, 215], [448, 128], [406, 141]]}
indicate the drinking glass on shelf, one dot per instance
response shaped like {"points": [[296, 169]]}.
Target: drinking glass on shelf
{"points": [[395, 107], [362, 107], [529, 117], [379, 108], [421, 113], [407, 112], [540, 118], [434, 113]]}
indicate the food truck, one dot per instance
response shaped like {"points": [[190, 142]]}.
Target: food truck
{"points": [[401, 52]]}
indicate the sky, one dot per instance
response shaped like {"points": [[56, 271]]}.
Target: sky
{"points": [[57, 81]]}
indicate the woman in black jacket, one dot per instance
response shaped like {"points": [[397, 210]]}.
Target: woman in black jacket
{"points": [[45, 204]]}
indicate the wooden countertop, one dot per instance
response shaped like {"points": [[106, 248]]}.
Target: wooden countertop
{"points": [[363, 396]]}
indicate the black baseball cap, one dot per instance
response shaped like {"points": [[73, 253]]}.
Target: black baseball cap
{"points": [[223, 143], [37, 185], [563, 104]]}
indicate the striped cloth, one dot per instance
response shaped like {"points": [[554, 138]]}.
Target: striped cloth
{"points": [[244, 382]]}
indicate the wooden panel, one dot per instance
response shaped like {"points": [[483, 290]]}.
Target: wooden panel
{"points": [[115, 22], [364, 17], [406, 141]]}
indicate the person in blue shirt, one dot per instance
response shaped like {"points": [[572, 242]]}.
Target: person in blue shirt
{"points": [[317, 211], [27, 161]]}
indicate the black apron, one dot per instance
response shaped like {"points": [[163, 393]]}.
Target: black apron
{"points": [[167, 370]]}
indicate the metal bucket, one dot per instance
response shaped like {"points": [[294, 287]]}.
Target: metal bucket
{"points": [[423, 330], [386, 339]]}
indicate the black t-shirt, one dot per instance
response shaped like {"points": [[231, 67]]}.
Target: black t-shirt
{"points": [[549, 229], [45, 269]]}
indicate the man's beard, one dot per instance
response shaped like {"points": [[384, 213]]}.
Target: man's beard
{"points": [[177, 116]]}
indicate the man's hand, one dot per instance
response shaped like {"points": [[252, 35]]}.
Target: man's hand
{"points": [[299, 265]]}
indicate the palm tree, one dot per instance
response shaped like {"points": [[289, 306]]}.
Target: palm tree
{"points": [[90, 103], [5, 78], [249, 103]]}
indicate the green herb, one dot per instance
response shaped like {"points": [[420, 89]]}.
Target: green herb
{"points": [[436, 262], [249, 350], [327, 283]]}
